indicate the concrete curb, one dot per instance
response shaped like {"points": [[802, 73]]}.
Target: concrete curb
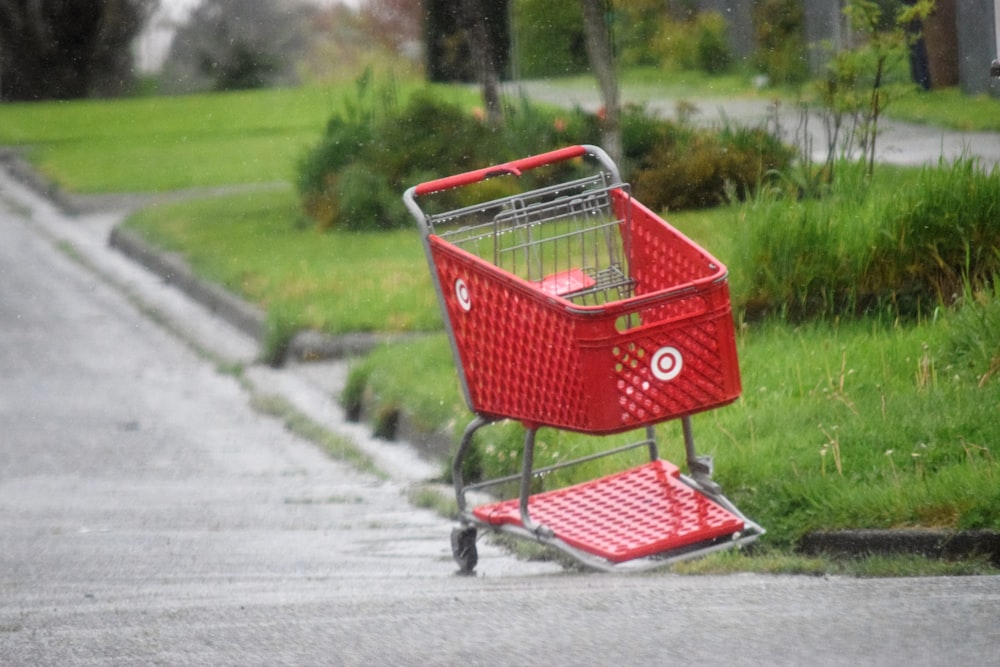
{"points": [[304, 346], [172, 268], [943, 544]]}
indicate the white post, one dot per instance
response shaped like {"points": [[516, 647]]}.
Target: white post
{"points": [[995, 67], [996, 24]]}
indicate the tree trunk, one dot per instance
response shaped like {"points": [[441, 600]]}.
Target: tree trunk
{"points": [[478, 36], [597, 33], [57, 49]]}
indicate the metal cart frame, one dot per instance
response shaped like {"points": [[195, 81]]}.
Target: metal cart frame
{"points": [[572, 306]]}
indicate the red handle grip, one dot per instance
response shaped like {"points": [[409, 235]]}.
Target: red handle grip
{"points": [[515, 167]]}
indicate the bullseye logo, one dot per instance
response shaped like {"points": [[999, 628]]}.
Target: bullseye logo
{"points": [[462, 293], [667, 363]]}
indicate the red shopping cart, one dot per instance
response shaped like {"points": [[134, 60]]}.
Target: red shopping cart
{"points": [[570, 305]]}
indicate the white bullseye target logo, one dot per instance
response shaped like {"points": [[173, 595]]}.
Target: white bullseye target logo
{"points": [[667, 363], [462, 293]]}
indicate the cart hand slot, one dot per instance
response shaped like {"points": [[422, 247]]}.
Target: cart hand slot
{"points": [[664, 312]]}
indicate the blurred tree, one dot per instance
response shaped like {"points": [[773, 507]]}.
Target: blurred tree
{"points": [[238, 44], [550, 39], [382, 35], [477, 19], [395, 24], [779, 29], [455, 31], [63, 49]]}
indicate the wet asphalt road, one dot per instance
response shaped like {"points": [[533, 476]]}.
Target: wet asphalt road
{"points": [[148, 515]]}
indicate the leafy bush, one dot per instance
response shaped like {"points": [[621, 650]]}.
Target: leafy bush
{"points": [[690, 168], [780, 37], [550, 40], [354, 177], [712, 48], [699, 43]]}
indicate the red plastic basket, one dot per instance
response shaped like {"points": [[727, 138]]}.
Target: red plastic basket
{"points": [[528, 354]]}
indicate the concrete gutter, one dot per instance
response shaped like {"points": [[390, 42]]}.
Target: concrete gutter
{"points": [[173, 270]]}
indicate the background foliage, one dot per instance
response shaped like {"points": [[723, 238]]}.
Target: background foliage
{"points": [[377, 146]]}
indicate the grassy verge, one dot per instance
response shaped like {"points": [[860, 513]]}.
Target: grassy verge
{"points": [[335, 282], [858, 425], [160, 144], [949, 107]]}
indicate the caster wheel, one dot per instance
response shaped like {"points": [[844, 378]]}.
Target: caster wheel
{"points": [[463, 548]]}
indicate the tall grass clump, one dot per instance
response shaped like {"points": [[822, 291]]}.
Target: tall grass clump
{"points": [[938, 235], [974, 338], [902, 243], [799, 258]]}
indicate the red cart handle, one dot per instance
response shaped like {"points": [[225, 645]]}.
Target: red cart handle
{"points": [[514, 167]]}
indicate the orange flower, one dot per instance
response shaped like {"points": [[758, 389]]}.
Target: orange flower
{"points": [[560, 125], [479, 114]]}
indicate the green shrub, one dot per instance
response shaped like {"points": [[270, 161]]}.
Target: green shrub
{"points": [[698, 43], [354, 177], [318, 169], [550, 40], [367, 200], [690, 168], [780, 37], [712, 46]]}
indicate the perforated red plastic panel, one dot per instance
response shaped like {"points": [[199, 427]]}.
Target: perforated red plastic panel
{"points": [[530, 355], [640, 512]]}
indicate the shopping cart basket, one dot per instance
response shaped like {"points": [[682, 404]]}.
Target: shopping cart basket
{"points": [[572, 306]]}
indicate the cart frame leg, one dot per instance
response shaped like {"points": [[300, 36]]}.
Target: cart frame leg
{"points": [[700, 467], [527, 474], [456, 464]]}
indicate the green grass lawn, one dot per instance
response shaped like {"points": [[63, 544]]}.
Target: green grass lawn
{"points": [[947, 107], [168, 143], [336, 282], [159, 144]]}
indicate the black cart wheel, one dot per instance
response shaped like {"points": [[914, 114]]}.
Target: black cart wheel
{"points": [[463, 548]]}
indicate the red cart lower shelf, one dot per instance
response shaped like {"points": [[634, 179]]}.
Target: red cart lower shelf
{"points": [[632, 514]]}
